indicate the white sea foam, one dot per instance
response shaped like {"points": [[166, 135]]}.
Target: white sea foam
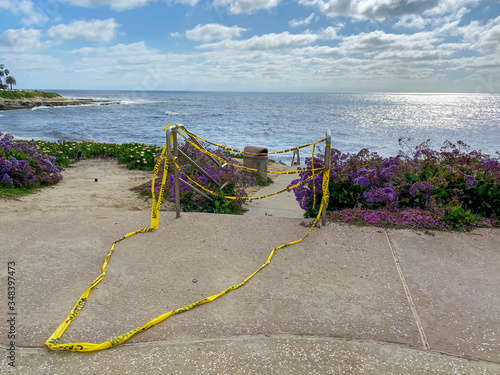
{"points": [[168, 113], [19, 137], [63, 106], [126, 102]]}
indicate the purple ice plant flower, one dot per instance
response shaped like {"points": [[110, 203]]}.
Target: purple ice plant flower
{"points": [[470, 181], [14, 162], [33, 169], [362, 181], [406, 218], [361, 172], [379, 194], [6, 180], [421, 186], [386, 173]]}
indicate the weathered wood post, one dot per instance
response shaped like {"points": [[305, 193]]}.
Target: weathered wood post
{"points": [[328, 157], [172, 142]]}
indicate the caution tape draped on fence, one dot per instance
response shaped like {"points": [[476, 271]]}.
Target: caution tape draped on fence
{"points": [[206, 152], [244, 198], [182, 128], [53, 341]]}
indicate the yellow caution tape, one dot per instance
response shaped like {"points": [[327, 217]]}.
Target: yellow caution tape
{"points": [[155, 209], [314, 185], [242, 198], [222, 160], [238, 151], [52, 341]]}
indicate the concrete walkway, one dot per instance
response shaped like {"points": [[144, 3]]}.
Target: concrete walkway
{"points": [[346, 300], [281, 205]]}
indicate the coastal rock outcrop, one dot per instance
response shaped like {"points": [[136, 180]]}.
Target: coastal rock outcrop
{"points": [[28, 103]]}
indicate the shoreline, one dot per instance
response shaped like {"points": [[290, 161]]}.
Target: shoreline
{"points": [[29, 103]]}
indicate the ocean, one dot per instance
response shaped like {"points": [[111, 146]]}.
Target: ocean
{"points": [[274, 120]]}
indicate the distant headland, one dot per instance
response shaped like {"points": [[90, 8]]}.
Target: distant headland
{"points": [[20, 99]]}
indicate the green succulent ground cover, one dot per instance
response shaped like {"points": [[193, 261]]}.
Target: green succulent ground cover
{"points": [[134, 155], [13, 94]]}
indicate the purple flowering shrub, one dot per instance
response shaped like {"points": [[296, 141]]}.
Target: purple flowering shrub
{"points": [[455, 185], [23, 165], [412, 218], [235, 181]]}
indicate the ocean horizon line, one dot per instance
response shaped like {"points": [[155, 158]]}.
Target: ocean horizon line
{"points": [[275, 92]]}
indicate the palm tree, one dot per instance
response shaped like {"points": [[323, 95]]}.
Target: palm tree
{"points": [[6, 71], [1, 73], [10, 81]]}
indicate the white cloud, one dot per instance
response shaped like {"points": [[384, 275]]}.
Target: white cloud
{"points": [[412, 22], [412, 56], [330, 32], [383, 9], [376, 41], [32, 63], [490, 38], [92, 31], [301, 22], [451, 19], [123, 56], [324, 51], [246, 6], [117, 50], [212, 31], [26, 9], [483, 37], [265, 42], [480, 38], [22, 40], [188, 2], [132, 65], [448, 6], [113, 4]]}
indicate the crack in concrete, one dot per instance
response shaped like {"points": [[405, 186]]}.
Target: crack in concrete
{"points": [[281, 336], [413, 308]]}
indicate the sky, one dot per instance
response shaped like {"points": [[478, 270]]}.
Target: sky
{"points": [[253, 45]]}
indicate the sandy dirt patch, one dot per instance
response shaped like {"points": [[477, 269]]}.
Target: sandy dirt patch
{"points": [[99, 183]]}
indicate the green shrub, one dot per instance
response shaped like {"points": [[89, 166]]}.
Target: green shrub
{"points": [[14, 94]]}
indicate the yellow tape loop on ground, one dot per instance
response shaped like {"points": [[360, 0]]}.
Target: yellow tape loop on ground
{"points": [[52, 341]]}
